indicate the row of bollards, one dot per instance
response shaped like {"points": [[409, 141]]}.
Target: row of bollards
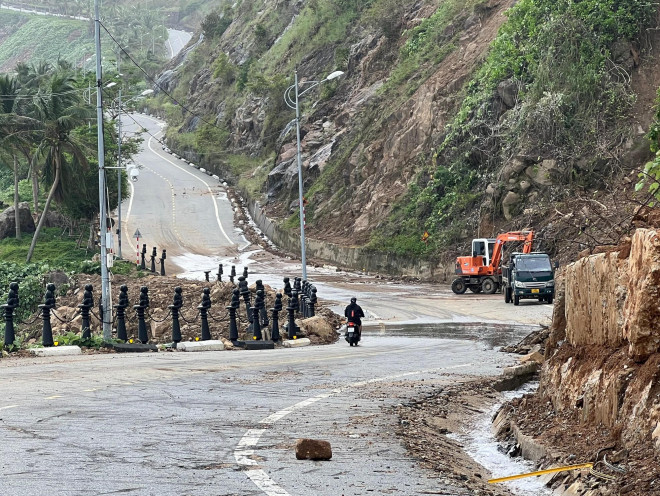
{"points": [[301, 299], [161, 260]]}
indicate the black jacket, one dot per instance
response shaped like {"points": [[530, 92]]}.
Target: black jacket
{"points": [[354, 313]]}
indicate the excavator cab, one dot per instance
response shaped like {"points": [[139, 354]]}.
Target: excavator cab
{"points": [[483, 248]]}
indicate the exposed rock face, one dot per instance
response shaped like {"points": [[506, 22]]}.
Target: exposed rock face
{"points": [[606, 371], [8, 222]]}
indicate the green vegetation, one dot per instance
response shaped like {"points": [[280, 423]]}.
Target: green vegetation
{"points": [[39, 38], [650, 176]]}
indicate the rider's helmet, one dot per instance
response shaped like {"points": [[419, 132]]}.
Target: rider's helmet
{"points": [[353, 300]]}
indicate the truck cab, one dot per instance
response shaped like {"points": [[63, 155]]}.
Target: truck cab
{"points": [[527, 276]]}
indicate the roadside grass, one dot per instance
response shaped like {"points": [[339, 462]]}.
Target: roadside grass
{"points": [[52, 247]]}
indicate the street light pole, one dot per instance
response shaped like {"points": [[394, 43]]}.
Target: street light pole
{"points": [[119, 181], [301, 206], [105, 280], [295, 104]]}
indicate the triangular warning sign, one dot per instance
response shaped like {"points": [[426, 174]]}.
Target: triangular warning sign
{"points": [[137, 234]]}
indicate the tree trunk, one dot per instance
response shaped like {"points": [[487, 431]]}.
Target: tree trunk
{"points": [[35, 190], [51, 193], [17, 214]]}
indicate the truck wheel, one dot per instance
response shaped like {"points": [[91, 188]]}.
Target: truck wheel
{"points": [[507, 295], [488, 286], [458, 286], [516, 300], [475, 289]]}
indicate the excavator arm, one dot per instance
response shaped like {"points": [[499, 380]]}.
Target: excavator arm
{"points": [[526, 236]]}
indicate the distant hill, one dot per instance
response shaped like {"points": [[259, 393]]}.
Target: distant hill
{"points": [[181, 14], [32, 38]]}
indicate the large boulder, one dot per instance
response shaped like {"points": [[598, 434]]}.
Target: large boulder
{"points": [[8, 224]]}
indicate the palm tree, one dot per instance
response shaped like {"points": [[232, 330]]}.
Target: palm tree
{"points": [[30, 78], [58, 107], [8, 94]]}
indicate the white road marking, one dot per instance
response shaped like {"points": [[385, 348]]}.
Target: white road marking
{"points": [[215, 204], [8, 407], [245, 448]]}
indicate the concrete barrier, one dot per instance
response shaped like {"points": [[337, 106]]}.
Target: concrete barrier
{"points": [[296, 343], [56, 351], [211, 345]]}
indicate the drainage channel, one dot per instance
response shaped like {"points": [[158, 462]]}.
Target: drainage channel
{"points": [[482, 447]]}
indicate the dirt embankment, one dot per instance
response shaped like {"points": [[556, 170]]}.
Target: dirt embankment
{"points": [[599, 395], [67, 318]]}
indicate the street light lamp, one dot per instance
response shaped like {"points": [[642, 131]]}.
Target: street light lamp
{"points": [[119, 167], [292, 101]]}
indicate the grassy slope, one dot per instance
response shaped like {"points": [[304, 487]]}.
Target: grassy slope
{"points": [[43, 38]]}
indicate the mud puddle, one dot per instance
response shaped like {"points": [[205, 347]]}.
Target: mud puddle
{"points": [[493, 335]]}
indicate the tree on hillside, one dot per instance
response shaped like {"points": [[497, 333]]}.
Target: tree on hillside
{"points": [[10, 140], [59, 109], [29, 79]]}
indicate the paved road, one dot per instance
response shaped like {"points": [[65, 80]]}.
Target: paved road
{"points": [[174, 205], [225, 423], [176, 41]]}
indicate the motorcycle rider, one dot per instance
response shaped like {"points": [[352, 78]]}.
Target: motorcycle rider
{"points": [[354, 314]]}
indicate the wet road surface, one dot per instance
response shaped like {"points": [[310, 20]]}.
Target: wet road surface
{"points": [[225, 423]]}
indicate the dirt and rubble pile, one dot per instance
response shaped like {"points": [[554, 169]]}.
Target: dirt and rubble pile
{"points": [[599, 384], [66, 317]]}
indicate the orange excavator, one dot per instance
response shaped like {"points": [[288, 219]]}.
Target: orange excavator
{"points": [[482, 271]]}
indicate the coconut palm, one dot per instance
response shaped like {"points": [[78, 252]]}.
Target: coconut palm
{"points": [[59, 109], [9, 140]]}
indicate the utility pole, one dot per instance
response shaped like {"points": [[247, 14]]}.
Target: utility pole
{"points": [[119, 179], [105, 280]]}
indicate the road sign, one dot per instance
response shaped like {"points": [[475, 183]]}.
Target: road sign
{"points": [[137, 234]]}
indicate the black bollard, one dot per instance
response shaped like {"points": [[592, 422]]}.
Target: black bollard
{"points": [[162, 262], [287, 287], [291, 325], [143, 335], [275, 327], [220, 273], [303, 305], [245, 293], [49, 303], [235, 304], [260, 304], [245, 272], [256, 326], [153, 260], [143, 265], [121, 307], [206, 275], [297, 285], [312, 302], [174, 308], [293, 301], [85, 307], [203, 313], [9, 307], [232, 274]]}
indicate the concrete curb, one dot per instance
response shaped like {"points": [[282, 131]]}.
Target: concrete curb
{"points": [[132, 347], [259, 345], [296, 343], [56, 351], [210, 345]]}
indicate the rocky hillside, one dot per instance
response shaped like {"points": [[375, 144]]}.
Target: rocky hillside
{"points": [[460, 119]]}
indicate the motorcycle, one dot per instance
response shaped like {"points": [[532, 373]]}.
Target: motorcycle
{"points": [[352, 333]]}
